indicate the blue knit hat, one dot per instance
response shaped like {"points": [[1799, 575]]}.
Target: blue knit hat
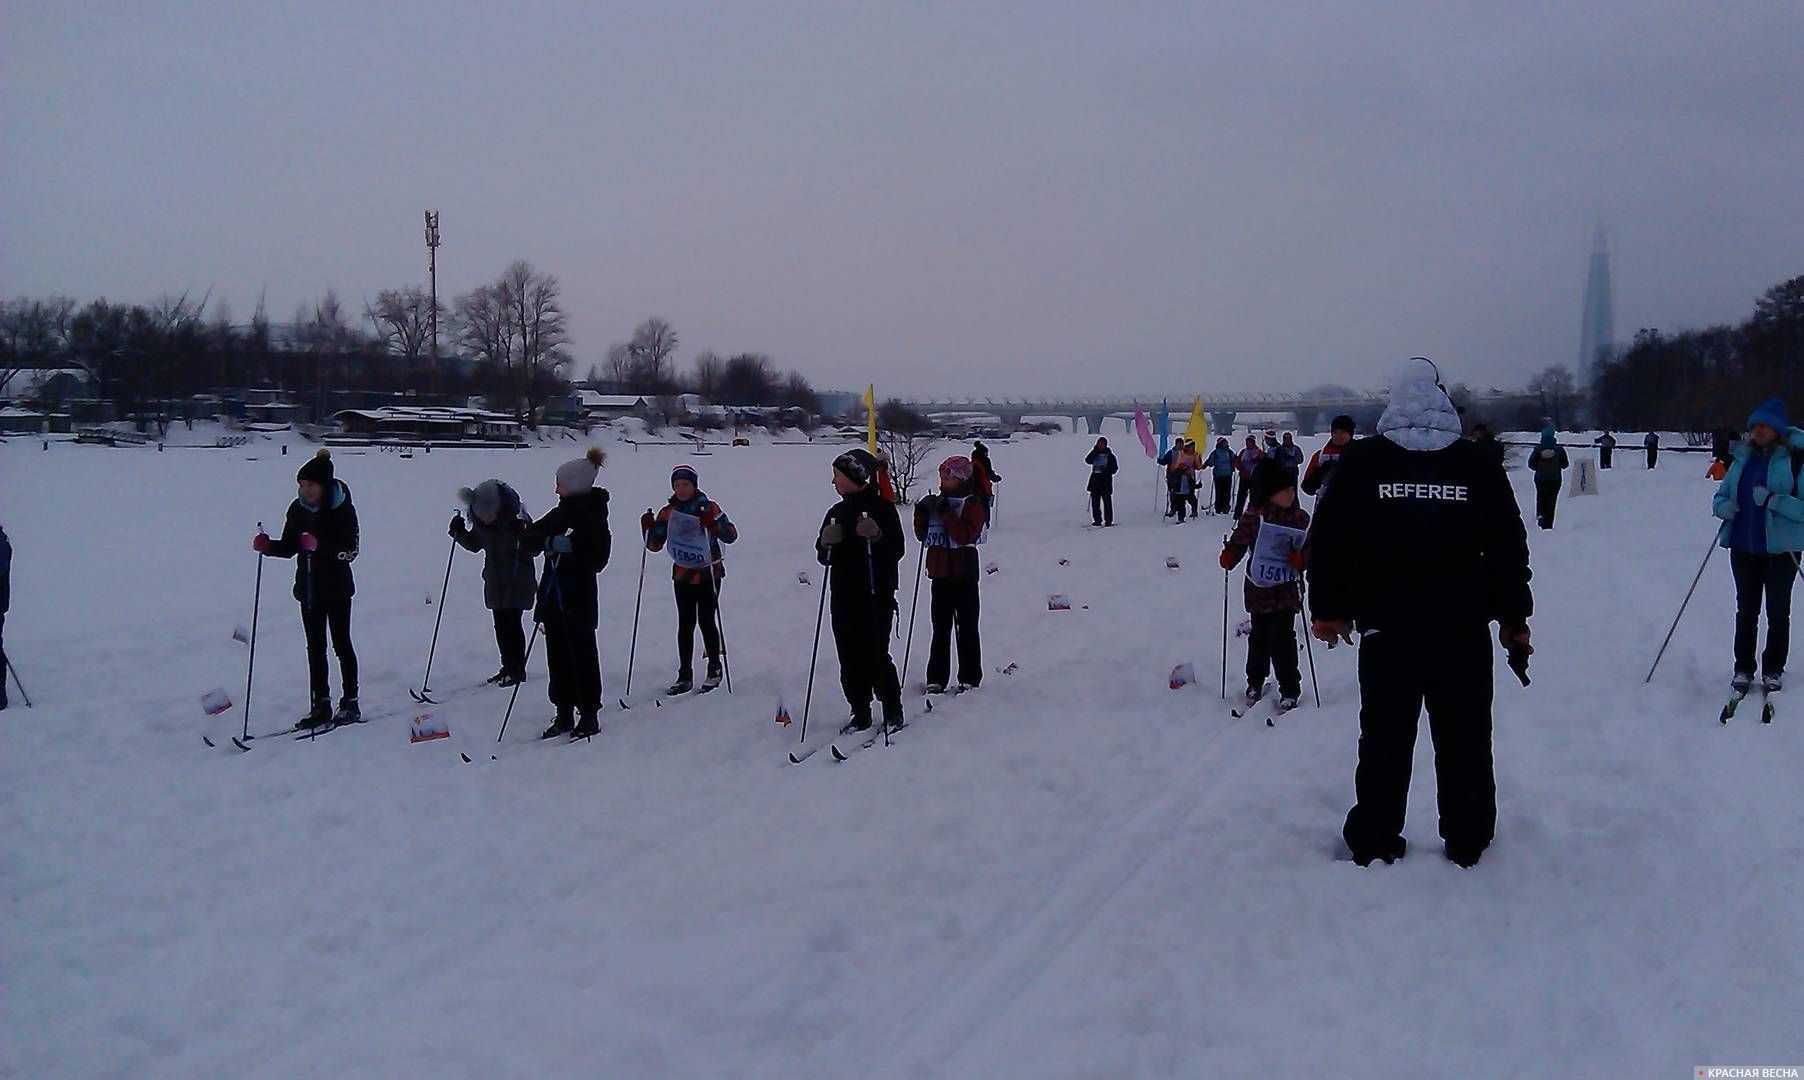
{"points": [[1770, 412], [684, 472]]}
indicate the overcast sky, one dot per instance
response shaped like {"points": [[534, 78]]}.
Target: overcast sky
{"points": [[941, 198]]}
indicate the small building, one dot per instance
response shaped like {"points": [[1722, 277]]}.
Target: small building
{"points": [[599, 408], [15, 421], [411, 424]]}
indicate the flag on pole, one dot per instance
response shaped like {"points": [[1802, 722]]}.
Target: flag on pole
{"points": [[1164, 428], [1145, 431], [1197, 429], [870, 418]]}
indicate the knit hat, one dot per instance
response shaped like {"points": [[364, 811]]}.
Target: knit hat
{"points": [[1269, 478], [684, 472], [956, 469], [1770, 412], [578, 477], [1343, 422], [856, 465], [484, 499], [317, 469]]}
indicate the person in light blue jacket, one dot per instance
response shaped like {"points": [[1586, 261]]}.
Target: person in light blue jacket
{"points": [[1763, 528]]}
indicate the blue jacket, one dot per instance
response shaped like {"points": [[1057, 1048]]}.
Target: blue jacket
{"points": [[1784, 508]]}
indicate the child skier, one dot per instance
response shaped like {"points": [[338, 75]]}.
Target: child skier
{"points": [[509, 580], [574, 537], [320, 531], [1272, 530], [1547, 463], [860, 543], [952, 524], [692, 527]]}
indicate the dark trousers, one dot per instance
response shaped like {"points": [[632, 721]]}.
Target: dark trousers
{"points": [[1224, 487], [696, 603], [510, 638], [1102, 507], [861, 625], [574, 665], [1240, 498], [318, 621], [1179, 503], [1653, 453], [955, 604], [1450, 671], [4, 670], [1273, 645], [1603, 457], [1758, 578], [1547, 494]]}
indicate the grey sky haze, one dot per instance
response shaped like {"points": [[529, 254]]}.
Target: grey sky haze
{"points": [[940, 198]]}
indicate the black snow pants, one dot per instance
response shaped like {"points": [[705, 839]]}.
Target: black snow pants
{"points": [[1757, 578], [861, 633], [697, 604], [1603, 457], [510, 638], [1273, 646], [1399, 671], [318, 621], [1102, 507], [1547, 494], [574, 664], [955, 604], [1653, 455], [1224, 486], [1240, 497]]}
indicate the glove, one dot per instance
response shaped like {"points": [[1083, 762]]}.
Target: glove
{"points": [[260, 543], [930, 504], [561, 545], [1295, 559], [868, 528], [1761, 495], [832, 534], [646, 521], [309, 542], [1227, 559], [457, 525]]}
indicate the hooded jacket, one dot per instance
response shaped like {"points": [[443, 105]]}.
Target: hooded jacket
{"points": [[509, 580], [1784, 510], [322, 577], [1420, 532], [1548, 460]]}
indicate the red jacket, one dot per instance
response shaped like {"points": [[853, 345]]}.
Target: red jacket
{"points": [[963, 521]]}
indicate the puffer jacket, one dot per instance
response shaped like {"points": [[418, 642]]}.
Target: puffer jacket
{"points": [[509, 579], [1784, 508], [567, 588], [713, 518], [322, 577]]}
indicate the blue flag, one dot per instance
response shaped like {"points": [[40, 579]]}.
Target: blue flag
{"points": [[1164, 428]]}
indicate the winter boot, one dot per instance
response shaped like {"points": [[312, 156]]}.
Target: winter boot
{"points": [[1386, 852], [563, 725], [1287, 703], [588, 727], [509, 678], [1463, 855], [1741, 683], [1773, 684], [935, 688], [861, 721], [713, 678], [495, 679], [685, 681], [348, 712], [319, 716], [1254, 694], [892, 716]]}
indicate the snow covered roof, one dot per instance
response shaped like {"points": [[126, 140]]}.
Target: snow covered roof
{"points": [[592, 400]]}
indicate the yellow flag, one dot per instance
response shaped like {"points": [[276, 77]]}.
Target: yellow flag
{"points": [[870, 418], [1198, 428]]}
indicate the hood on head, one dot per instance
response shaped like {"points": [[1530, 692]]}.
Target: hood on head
{"points": [[1420, 415]]}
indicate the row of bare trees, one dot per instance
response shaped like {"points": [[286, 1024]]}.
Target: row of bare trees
{"points": [[647, 365]]}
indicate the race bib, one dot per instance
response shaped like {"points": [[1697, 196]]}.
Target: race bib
{"points": [[687, 541], [936, 527], [1269, 565]]}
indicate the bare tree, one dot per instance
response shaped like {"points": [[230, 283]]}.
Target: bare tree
{"points": [[749, 379], [1554, 386], [403, 321], [482, 329], [906, 438], [33, 333], [710, 374], [541, 333]]}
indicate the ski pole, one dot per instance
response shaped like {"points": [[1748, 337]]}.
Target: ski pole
{"points": [[1681, 614], [21, 685], [250, 668], [424, 693], [914, 605], [633, 649], [515, 696], [1308, 650], [815, 655], [720, 625], [1224, 629]]}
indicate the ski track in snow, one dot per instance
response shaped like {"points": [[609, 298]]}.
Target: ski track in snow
{"points": [[1073, 871]]}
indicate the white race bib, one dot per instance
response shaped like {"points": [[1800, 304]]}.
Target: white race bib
{"points": [[687, 541], [936, 528], [1269, 565]]}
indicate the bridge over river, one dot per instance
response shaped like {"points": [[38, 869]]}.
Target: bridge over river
{"points": [[1306, 414]]}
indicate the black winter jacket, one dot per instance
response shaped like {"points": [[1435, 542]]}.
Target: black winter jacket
{"points": [[1418, 541], [322, 578], [509, 580], [1102, 480], [853, 574], [567, 593]]}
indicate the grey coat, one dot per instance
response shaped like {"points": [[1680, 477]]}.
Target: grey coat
{"points": [[509, 580]]}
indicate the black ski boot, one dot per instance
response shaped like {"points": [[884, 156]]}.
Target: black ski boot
{"points": [[861, 721], [319, 716], [1387, 852], [563, 725], [713, 679], [495, 679], [348, 712], [509, 678], [588, 727], [685, 682], [1465, 856], [892, 717]]}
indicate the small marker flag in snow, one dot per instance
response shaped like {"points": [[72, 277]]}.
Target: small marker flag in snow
{"points": [[1171, 562], [215, 701], [801, 577], [1182, 675], [991, 569], [241, 634], [1057, 602], [782, 713], [427, 726]]}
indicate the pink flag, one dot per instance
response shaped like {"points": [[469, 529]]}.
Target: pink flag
{"points": [[1145, 430]]}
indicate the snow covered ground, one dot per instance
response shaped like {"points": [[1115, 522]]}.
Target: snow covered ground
{"points": [[1075, 872]]}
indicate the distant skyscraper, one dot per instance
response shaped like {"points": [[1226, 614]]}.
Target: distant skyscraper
{"points": [[1597, 330]]}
